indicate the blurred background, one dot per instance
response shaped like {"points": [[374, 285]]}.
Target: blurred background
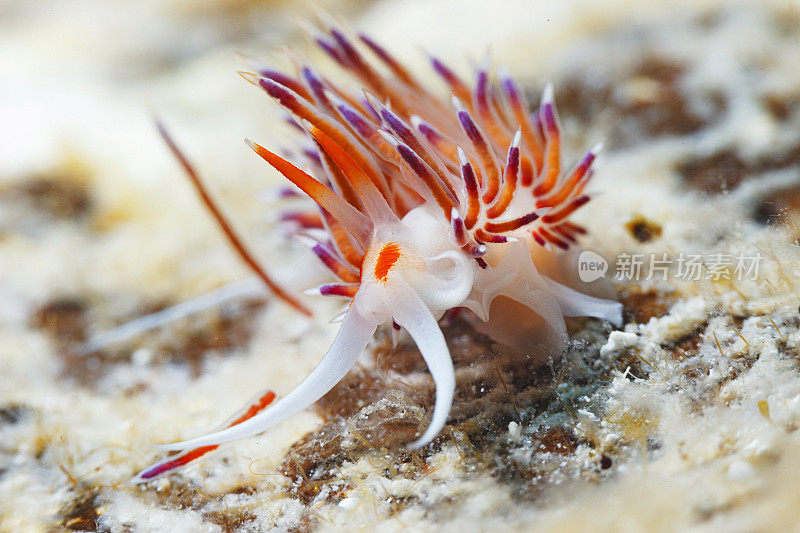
{"points": [[698, 103]]}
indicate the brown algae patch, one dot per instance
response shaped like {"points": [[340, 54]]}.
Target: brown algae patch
{"points": [[45, 198], [643, 229], [646, 99], [83, 512], [724, 169], [640, 304], [68, 320]]}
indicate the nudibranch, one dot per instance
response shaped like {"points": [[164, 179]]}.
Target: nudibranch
{"points": [[422, 206]]}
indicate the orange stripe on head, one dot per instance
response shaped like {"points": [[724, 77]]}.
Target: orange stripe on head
{"points": [[387, 257]]}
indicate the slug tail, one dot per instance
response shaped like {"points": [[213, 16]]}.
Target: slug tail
{"points": [[574, 303]]}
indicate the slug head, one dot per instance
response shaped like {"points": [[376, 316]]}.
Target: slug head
{"points": [[417, 253]]}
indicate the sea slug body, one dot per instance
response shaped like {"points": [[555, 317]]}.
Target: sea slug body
{"points": [[423, 206]]}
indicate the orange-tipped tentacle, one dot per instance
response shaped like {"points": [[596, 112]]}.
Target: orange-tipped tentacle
{"points": [[441, 194], [316, 87], [445, 146], [538, 238], [459, 88], [357, 224], [304, 111], [225, 226], [563, 232], [364, 71], [500, 112], [574, 183], [410, 138], [511, 225], [364, 127], [364, 185], [485, 111], [573, 228], [558, 215], [327, 96], [411, 186], [532, 141], [553, 239], [510, 174], [368, 132], [552, 163], [357, 63], [489, 164], [285, 80], [472, 193], [395, 66], [484, 236]]}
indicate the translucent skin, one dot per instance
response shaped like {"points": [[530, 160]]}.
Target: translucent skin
{"points": [[424, 207], [431, 275]]}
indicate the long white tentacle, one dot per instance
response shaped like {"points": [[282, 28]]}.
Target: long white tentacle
{"points": [[352, 338], [128, 330], [412, 314]]}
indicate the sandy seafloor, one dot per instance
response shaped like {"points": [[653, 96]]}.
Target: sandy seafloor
{"points": [[685, 419]]}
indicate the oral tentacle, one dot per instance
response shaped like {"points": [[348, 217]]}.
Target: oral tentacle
{"points": [[354, 335], [412, 314]]}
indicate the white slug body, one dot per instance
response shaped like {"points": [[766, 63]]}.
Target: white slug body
{"points": [[421, 208]]}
